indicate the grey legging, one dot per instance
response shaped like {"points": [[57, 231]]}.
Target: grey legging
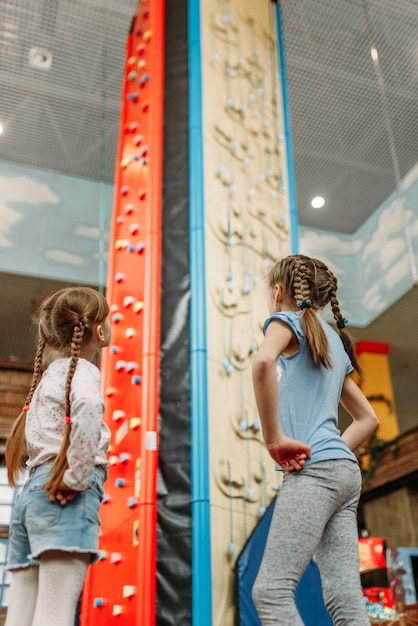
{"points": [[315, 514]]}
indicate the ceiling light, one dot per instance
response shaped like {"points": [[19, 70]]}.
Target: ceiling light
{"points": [[8, 35], [40, 58], [318, 202], [375, 56], [1, 129]]}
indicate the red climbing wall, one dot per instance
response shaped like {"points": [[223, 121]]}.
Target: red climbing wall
{"points": [[121, 587]]}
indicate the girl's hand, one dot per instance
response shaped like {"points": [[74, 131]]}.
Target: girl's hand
{"points": [[62, 493], [289, 453]]}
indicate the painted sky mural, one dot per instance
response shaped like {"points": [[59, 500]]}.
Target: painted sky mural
{"points": [[52, 225], [377, 264], [57, 226]]}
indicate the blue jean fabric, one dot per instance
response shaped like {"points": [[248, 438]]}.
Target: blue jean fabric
{"points": [[37, 524]]}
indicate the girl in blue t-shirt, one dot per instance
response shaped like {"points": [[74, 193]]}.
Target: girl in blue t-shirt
{"points": [[301, 373]]}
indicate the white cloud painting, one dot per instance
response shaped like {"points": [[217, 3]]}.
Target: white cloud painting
{"points": [[49, 224], [375, 265]]}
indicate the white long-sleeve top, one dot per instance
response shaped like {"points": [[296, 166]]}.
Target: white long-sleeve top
{"points": [[45, 421]]}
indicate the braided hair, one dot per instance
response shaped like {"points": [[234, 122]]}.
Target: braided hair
{"points": [[341, 324], [75, 315], [60, 463], [45, 330], [68, 323], [312, 285], [15, 453]]}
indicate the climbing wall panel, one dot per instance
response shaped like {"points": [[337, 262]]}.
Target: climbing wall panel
{"points": [[247, 228], [122, 584]]}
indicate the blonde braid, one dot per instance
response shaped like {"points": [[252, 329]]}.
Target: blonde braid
{"points": [[60, 464], [301, 284], [16, 453], [304, 286], [77, 338], [37, 370], [334, 301], [341, 321]]}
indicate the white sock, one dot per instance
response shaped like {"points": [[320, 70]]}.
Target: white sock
{"points": [[22, 597], [61, 580]]}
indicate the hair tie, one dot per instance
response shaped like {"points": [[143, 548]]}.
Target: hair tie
{"points": [[304, 305], [67, 420], [342, 323], [25, 408]]}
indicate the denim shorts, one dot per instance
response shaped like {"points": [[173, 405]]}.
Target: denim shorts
{"points": [[37, 524]]}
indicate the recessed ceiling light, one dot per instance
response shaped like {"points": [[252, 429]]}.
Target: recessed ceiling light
{"points": [[318, 202], [1, 129], [375, 56], [40, 58]]}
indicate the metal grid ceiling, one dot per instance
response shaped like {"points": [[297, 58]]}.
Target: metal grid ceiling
{"points": [[65, 118], [62, 118], [341, 134]]}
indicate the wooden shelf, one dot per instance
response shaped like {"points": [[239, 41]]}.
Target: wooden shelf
{"points": [[399, 464]]}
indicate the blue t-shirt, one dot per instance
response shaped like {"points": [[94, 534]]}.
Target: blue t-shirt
{"points": [[309, 395]]}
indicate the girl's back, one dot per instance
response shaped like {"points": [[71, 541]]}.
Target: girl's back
{"points": [[309, 394]]}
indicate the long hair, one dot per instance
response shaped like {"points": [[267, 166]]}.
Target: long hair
{"points": [[45, 330], [312, 285], [15, 453], [68, 323]]}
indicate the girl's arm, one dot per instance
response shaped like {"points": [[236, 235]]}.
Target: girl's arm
{"points": [[364, 418], [289, 453]]}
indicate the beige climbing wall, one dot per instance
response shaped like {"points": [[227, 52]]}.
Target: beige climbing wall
{"points": [[247, 230]]}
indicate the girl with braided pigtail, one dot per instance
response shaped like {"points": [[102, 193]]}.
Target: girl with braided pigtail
{"points": [[63, 442], [301, 373], [60, 464]]}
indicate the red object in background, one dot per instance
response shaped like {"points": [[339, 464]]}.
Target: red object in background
{"points": [[373, 571], [372, 346], [372, 553], [382, 595], [122, 585]]}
